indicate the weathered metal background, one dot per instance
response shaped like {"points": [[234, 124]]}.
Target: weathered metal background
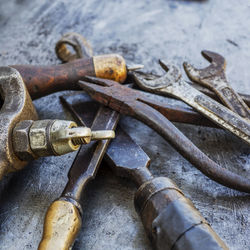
{"points": [[142, 31]]}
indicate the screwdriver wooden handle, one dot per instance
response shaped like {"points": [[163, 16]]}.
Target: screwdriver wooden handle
{"points": [[44, 80], [61, 226], [170, 219]]}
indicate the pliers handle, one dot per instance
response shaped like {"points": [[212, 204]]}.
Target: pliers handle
{"points": [[131, 102]]}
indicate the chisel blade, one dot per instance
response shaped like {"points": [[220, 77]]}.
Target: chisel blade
{"points": [[89, 157], [123, 154]]}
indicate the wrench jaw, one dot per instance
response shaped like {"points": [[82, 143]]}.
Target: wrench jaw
{"points": [[147, 81], [217, 60], [155, 83], [206, 75], [214, 78], [173, 72], [192, 73]]}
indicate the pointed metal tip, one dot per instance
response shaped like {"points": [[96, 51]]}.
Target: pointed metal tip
{"points": [[134, 67], [102, 135]]}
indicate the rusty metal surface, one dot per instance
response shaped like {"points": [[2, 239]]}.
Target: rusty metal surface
{"points": [[214, 78], [43, 80], [171, 220], [80, 45], [82, 171], [245, 97], [158, 201], [142, 32], [17, 106], [131, 102], [172, 83]]}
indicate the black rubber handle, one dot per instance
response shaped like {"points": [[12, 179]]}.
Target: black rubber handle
{"points": [[170, 219]]}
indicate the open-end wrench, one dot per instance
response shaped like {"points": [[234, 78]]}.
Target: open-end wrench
{"points": [[213, 77], [134, 103], [172, 83]]}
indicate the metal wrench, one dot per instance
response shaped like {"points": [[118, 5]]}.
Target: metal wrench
{"points": [[173, 84], [213, 77], [134, 103]]}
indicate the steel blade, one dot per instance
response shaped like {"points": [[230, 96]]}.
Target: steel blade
{"points": [[123, 154], [89, 157]]}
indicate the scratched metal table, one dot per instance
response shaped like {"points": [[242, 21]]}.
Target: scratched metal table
{"points": [[142, 31]]}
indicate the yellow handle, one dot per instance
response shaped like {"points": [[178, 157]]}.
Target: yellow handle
{"points": [[61, 226], [111, 66]]}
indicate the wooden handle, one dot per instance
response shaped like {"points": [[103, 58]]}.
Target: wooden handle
{"points": [[171, 220], [61, 226], [44, 80]]}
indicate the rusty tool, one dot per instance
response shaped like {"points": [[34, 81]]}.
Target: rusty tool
{"points": [[132, 102], [17, 106], [172, 83], [23, 138], [77, 43], [63, 218], [44, 80], [57, 235], [82, 48], [169, 218], [244, 97], [204, 90], [213, 77]]}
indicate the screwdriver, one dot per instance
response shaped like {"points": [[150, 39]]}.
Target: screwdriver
{"points": [[63, 218]]}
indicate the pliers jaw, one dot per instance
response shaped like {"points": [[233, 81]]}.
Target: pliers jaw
{"points": [[131, 102], [97, 88]]}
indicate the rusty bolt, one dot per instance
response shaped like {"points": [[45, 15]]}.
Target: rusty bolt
{"points": [[21, 141]]}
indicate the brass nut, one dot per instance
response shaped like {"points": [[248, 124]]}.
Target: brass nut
{"points": [[61, 136], [20, 141], [45, 137], [39, 138]]}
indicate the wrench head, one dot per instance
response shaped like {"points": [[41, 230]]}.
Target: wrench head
{"points": [[153, 82], [216, 68]]}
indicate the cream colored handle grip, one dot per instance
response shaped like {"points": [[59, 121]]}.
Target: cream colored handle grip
{"points": [[61, 226]]}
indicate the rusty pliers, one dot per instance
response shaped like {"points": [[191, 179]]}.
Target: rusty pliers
{"points": [[131, 102]]}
